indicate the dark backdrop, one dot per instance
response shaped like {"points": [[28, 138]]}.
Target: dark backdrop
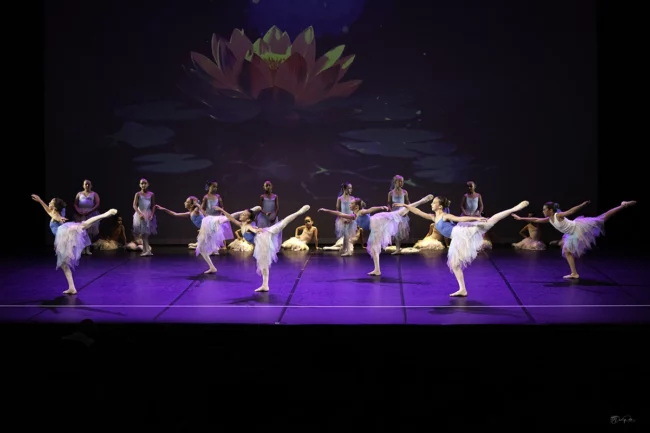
{"points": [[500, 92]]}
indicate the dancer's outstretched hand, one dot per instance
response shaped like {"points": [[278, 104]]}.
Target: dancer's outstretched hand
{"points": [[515, 216], [35, 197], [321, 209], [586, 203], [482, 220]]}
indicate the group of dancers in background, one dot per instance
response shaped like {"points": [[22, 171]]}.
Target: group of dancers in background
{"points": [[259, 229]]}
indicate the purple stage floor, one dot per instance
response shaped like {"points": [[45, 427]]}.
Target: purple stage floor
{"points": [[505, 287]]}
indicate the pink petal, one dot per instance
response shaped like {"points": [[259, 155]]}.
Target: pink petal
{"points": [[345, 89], [292, 74], [319, 86], [239, 43], [224, 57], [253, 79], [277, 41], [206, 66], [305, 45], [328, 59]]}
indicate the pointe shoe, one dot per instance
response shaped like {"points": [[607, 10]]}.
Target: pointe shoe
{"points": [[113, 211], [305, 208], [256, 209], [628, 203]]}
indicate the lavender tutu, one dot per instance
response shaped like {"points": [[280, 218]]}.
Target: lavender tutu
{"points": [[267, 245], [384, 226], [466, 242], [144, 226], [211, 235], [69, 241]]}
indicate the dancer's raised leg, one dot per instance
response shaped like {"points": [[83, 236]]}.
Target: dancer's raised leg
{"points": [[91, 221], [403, 211], [278, 227], [607, 215], [503, 214]]}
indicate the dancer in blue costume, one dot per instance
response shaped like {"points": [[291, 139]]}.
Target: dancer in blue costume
{"points": [[344, 227], [579, 235], [397, 195], [270, 204], [144, 218], [210, 202], [86, 204], [267, 240], [70, 239], [466, 234]]}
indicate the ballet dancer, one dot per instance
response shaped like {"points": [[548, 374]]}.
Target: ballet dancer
{"points": [[344, 227], [532, 237], [113, 241], [267, 240], [299, 243], [209, 203], [240, 243], [472, 203], [270, 205], [466, 234], [70, 239], [432, 241], [144, 218], [383, 226], [398, 195], [86, 204], [579, 234]]}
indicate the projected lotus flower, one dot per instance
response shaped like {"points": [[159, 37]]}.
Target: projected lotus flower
{"points": [[271, 75]]}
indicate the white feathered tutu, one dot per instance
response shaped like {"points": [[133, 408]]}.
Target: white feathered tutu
{"points": [[295, 244], [69, 241], [384, 226], [106, 244], [267, 245], [429, 244], [212, 234], [583, 236], [466, 243], [345, 227], [240, 245], [530, 244], [144, 226]]}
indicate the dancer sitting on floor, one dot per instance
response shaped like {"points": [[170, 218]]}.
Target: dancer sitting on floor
{"points": [[299, 243], [267, 240], [241, 243], [579, 234], [357, 238], [113, 241], [70, 239], [384, 226], [466, 234], [433, 241], [532, 237]]}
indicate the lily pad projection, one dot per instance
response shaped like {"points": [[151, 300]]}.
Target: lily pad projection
{"points": [[386, 107], [272, 76], [171, 163], [396, 143], [142, 136], [443, 169], [165, 110]]}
